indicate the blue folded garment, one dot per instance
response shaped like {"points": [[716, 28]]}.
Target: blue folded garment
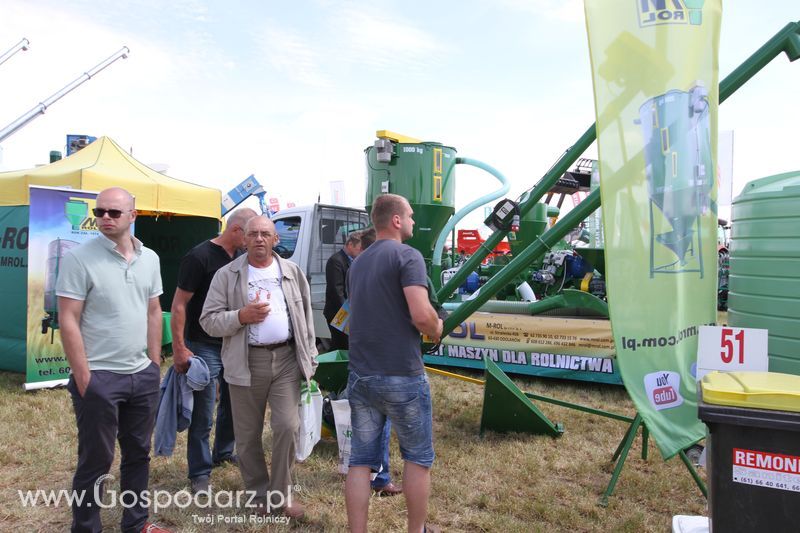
{"points": [[176, 403], [198, 376]]}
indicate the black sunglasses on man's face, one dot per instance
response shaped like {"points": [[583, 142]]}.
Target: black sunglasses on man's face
{"points": [[99, 212]]}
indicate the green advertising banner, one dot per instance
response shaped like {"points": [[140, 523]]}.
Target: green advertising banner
{"points": [[60, 219], [655, 70], [13, 274]]}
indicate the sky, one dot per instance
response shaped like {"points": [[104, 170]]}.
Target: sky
{"points": [[293, 92]]}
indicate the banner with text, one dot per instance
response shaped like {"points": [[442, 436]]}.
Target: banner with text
{"points": [[556, 347], [655, 70], [535, 333], [524, 362], [60, 219]]}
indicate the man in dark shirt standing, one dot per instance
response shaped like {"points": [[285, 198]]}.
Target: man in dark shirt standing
{"points": [[389, 308], [335, 290], [196, 271], [382, 485]]}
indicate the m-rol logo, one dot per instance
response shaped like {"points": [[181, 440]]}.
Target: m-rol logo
{"points": [[654, 12], [663, 389]]}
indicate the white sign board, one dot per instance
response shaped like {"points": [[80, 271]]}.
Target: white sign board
{"points": [[730, 349]]}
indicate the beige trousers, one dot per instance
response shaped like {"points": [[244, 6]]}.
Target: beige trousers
{"points": [[275, 379]]}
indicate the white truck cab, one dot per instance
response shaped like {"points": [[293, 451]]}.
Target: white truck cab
{"points": [[309, 235]]}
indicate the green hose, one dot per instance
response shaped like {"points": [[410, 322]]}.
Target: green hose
{"points": [[436, 261]]}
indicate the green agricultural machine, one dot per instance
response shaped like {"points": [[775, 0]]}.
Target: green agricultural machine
{"points": [[550, 275], [424, 173], [547, 271], [565, 282]]}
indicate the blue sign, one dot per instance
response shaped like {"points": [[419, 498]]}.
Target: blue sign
{"points": [[78, 142]]}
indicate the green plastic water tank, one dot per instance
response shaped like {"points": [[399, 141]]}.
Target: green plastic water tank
{"points": [[764, 283], [421, 172]]}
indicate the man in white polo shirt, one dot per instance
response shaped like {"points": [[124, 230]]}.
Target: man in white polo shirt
{"points": [[260, 304], [110, 318]]}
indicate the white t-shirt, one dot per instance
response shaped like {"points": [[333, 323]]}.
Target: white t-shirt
{"points": [[264, 285]]}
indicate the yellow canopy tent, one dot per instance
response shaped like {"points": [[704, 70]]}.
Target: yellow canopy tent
{"points": [[174, 215], [104, 164]]}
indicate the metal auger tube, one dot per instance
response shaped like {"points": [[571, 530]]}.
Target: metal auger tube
{"points": [[42, 106], [22, 45]]}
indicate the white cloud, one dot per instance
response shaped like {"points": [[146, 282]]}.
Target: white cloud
{"points": [[291, 54], [560, 10], [384, 40], [348, 37], [299, 109]]}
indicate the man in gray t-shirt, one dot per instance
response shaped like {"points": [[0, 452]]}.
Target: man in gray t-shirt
{"points": [[376, 285], [389, 308]]}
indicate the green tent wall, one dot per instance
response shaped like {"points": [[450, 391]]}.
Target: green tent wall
{"points": [[169, 236]]}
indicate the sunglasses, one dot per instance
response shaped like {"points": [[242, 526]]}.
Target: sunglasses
{"points": [[99, 212]]}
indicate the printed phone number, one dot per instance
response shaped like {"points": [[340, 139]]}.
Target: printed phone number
{"points": [[794, 487]]}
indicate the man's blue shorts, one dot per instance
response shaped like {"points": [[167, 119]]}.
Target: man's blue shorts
{"points": [[406, 402]]}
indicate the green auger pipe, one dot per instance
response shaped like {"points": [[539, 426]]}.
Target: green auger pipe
{"points": [[521, 262], [787, 40], [529, 199], [568, 298]]}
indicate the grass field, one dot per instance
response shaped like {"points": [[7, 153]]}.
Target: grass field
{"points": [[506, 483]]}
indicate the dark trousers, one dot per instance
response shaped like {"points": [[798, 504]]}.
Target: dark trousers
{"points": [[114, 407], [198, 453], [339, 340]]}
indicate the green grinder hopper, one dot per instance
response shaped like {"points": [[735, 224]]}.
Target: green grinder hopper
{"points": [[421, 172]]}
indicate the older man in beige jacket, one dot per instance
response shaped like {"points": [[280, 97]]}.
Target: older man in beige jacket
{"points": [[260, 304]]}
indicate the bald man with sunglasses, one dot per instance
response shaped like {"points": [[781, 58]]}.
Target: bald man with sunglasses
{"points": [[110, 318]]}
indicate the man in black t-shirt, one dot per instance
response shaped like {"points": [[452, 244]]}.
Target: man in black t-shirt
{"points": [[196, 271]]}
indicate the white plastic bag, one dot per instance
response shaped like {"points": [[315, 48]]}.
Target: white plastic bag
{"points": [[341, 414], [310, 429], [344, 435]]}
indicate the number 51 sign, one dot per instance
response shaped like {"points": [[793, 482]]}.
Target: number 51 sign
{"points": [[730, 349]]}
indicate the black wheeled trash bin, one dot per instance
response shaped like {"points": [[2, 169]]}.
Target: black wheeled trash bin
{"points": [[753, 451]]}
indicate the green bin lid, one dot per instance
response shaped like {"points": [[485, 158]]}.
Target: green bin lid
{"points": [[757, 390]]}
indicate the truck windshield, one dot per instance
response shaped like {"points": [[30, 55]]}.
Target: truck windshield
{"points": [[288, 230]]}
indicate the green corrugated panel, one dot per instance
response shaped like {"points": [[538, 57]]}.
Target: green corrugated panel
{"points": [[764, 286]]}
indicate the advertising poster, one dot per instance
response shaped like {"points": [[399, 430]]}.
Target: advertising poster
{"points": [[656, 77], [558, 335], [60, 219], [555, 347]]}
